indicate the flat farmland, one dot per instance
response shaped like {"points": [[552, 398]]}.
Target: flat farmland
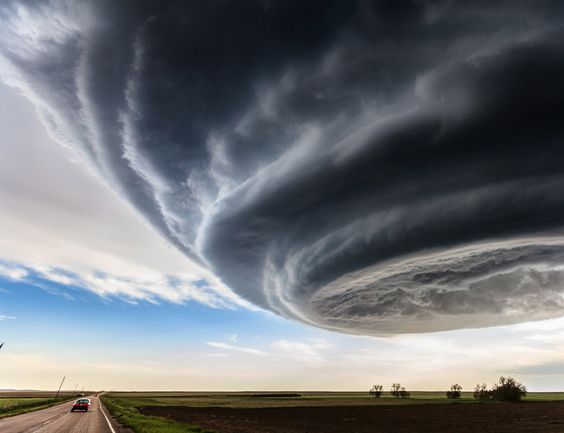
{"points": [[266, 399], [35, 394], [7, 402], [17, 402], [340, 412], [16, 405]]}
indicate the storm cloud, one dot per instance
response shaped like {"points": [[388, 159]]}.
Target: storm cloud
{"points": [[367, 167]]}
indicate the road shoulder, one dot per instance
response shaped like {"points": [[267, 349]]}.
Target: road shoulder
{"points": [[113, 422]]}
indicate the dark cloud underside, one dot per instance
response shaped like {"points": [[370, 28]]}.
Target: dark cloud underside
{"points": [[368, 167]]}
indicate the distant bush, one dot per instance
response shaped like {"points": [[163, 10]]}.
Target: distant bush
{"points": [[404, 393], [376, 391], [399, 391], [482, 393], [454, 392], [508, 389]]}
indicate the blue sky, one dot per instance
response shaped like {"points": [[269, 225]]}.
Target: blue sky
{"points": [[77, 319]]}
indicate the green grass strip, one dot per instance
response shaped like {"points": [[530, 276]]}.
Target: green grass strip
{"points": [[129, 416], [24, 405]]}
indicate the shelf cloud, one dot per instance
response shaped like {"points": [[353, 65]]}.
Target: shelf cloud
{"points": [[368, 167]]}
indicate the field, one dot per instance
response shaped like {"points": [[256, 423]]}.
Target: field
{"points": [[17, 402], [35, 394], [333, 413], [13, 406]]}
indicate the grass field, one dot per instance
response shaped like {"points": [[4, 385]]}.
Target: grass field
{"points": [[36, 394], [125, 410], [247, 400], [14, 406], [125, 405], [18, 402], [7, 402]]}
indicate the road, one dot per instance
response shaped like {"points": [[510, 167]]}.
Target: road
{"points": [[59, 419]]}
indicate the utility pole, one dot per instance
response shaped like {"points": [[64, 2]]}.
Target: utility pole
{"points": [[60, 386]]}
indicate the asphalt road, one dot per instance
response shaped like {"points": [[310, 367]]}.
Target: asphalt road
{"points": [[59, 419]]}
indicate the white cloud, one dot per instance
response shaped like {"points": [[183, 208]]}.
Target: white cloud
{"points": [[4, 317], [306, 351], [178, 288], [543, 325], [250, 350], [12, 272]]}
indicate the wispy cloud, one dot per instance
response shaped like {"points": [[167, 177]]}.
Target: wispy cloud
{"points": [[156, 287], [226, 346], [306, 351], [13, 272], [5, 317]]}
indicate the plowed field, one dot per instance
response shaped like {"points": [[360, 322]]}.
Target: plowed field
{"points": [[538, 417]]}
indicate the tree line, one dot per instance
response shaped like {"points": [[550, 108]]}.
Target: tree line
{"points": [[507, 389]]}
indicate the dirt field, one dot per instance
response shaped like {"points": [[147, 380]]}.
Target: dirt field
{"points": [[538, 417]]}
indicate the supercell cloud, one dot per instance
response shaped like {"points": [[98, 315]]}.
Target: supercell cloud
{"points": [[366, 167]]}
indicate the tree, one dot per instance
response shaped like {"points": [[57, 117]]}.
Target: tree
{"points": [[455, 391], [404, 393], [482, 393], [399, 391], [376, 391], [508, 389]]}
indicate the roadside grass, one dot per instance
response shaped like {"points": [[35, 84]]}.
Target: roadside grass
{"points": [[125, 411], [16, 406]]}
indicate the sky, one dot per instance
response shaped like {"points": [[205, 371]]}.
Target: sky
{"points": [[276, 196]]}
